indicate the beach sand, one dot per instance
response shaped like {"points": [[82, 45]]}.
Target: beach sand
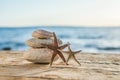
{"points": [[94, 66]]}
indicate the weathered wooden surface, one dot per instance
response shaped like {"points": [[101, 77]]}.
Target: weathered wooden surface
{"points": [[93, 67]]}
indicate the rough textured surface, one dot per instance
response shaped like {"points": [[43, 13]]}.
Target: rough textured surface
{"points": [[94, 67], [42, 34], [40, 55], [40, 43]]}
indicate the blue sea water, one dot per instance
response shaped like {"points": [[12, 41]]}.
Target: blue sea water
{"points": [[88, 39]]}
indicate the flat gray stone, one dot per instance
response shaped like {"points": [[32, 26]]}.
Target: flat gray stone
{"points": [[40, 43], [42, 34], [42, 55]]}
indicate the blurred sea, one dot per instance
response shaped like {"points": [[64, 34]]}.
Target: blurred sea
{"points": [[88, 39]]}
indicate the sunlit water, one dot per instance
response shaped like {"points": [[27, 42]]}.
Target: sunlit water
{"points": [[84, 38]]}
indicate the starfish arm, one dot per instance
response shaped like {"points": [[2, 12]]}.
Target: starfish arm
{"points": [[53, 56], [68, 58], [55, 40], [76, 59], [77, 51], [62, 57], [64, 46], [69, 48], [65, 52]]}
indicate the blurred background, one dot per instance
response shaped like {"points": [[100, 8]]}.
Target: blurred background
{"points": [[89, 25]]}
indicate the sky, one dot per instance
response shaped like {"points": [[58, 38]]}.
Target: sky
{"points": [[59, 12]]}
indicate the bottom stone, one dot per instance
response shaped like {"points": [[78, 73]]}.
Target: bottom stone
{"points": [[39, 55]]}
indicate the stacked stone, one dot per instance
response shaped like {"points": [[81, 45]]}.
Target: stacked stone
{"points": [[38, 53]]}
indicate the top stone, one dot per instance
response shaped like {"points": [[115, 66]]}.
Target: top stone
{"points": [[42, 34]]}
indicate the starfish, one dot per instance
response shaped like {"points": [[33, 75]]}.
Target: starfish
{"points": [[72, 54], [55, 47]]}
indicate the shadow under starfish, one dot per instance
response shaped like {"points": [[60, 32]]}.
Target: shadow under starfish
{"points": [[55, 47], [72, 54]]}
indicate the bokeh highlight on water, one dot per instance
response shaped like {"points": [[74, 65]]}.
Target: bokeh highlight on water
{"points": [[88, 39]]}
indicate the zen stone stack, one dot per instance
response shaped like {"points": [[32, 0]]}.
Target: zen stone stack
{"points": [[38, 53]]}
